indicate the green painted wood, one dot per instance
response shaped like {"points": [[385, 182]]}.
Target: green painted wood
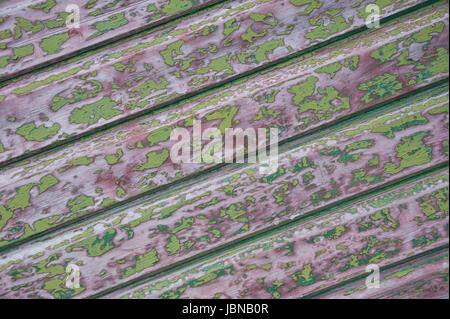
{"points": [[132, 160], [320, 252], [123, 79], [86, 178], [35, 33], [236, 203]]}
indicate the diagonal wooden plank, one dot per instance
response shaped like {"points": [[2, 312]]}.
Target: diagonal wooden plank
{"points": [[318, 253], [34, 33], [424, 278], [239, 202], [127, 78], [133, 159]]}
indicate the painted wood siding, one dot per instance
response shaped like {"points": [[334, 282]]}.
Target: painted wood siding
{"points": [[86, 176]]}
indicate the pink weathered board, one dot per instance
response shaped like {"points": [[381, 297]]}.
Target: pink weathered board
{"points": [[133, 159], [319, 252], [34, 33], [229, 205], [126, 78]]}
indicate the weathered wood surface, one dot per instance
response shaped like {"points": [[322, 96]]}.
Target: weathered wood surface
{"points": [[154, 69], [366, 153], [132, 159], [318, 253], [34, 33], [425, 278]]}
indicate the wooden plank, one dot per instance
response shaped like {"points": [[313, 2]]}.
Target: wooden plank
{"points": [[147, 72], [319, 253], [109, 168], [34, 33], [425, 278], [228, 205]]}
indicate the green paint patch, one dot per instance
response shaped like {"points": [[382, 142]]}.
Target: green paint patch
{"points": [[424, 35], [160, 135], [122, 67], [352, 62], [114, 158], [143, 262], [324, 195], [27, 26], [24, 51], [312, 4], [59, 22], [436, 63], [115, 21], [230, 26], [173, 246], [47, 182], [260, 54], [53, 78], [186, 223], [270, 178], [78, 94], [335, 233], [435, 205], [237, 213], [22, 198], [45, 6], [92, 113], [249, 35], [167, 54], [95, 245], [324, 30], [176, 6], [77, 162], [331, 69], [385, 52], [359, 175], [226, 114], [400, 124], [386, 217], [41, 133], [330, 103], [380, 86], [412, 152], [150, 86], [154, 160], [304, 277], [53, 44], [218, 65], [81, 202]]}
